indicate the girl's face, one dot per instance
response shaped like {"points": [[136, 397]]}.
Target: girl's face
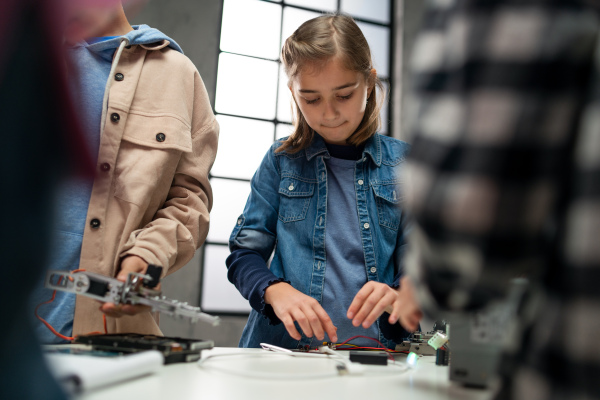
{"points": [[332, 99]]}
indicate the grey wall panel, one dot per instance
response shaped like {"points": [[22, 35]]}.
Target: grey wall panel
{"points": [[408, 17], [195, 25]]}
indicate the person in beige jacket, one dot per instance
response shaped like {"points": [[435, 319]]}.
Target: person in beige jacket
{"points": [[150, 200]]}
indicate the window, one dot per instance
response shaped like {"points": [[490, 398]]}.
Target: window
{"points": [[253, 107]]}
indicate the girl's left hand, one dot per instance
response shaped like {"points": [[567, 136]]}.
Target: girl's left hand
{"points": [[374, 298]]}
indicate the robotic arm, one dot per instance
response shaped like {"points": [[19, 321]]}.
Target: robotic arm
{"points": [[138, 289]]}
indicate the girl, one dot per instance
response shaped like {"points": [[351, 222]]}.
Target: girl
{"points": [[326, 200]]}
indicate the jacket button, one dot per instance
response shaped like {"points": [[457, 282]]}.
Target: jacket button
{"points": [[114, 117], [95, 223], [373, 270], [366, 225], [360, 182], [291, 187], [160, 137], [119, 76], [105, 167]]}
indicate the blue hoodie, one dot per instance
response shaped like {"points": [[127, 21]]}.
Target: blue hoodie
{"points": [[92, 60]]}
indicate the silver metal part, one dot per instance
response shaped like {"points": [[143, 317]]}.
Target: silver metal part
{"points": [[111, 290], [417, 343]]}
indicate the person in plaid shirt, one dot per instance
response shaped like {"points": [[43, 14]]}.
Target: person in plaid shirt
{"points": [[503, 179]]}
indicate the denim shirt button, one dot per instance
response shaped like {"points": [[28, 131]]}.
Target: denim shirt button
{"points": [[360, 182], [373, 270], [239, 221], [291, 187], [366, 225]]}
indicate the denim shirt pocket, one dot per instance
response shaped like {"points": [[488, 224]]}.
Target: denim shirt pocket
{"points": [[294, 199], [387, 198]]}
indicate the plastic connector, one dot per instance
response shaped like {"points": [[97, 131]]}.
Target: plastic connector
{"points": [[437, 340]]}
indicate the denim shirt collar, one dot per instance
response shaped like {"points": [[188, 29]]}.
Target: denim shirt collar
{"points": [[372, 148]]}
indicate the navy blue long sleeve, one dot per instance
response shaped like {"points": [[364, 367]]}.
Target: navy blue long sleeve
{"points": [[248, 271]]}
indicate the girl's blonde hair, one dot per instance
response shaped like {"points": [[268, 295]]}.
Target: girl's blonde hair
{"points": [[315, 42]]}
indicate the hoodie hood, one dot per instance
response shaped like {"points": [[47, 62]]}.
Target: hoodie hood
{"points": [[141, 34]]}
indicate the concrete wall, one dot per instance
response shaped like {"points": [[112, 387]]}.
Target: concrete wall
{"points": [[408, 20], [195, 25]]}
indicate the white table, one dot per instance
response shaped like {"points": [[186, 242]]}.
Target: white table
{"points": [[274, 376]]}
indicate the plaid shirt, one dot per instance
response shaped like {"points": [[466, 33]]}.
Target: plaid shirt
{"points": [[503, 179]]}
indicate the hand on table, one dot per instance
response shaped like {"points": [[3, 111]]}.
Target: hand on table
{"points": [[128, 264], [292, 305], [375, 298]]}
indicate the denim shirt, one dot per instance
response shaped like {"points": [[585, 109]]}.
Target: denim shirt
{"points": [[286, 212]]}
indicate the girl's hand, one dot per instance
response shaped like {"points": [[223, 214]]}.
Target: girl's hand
{"points": [[129, 264], [292, 305], [374, 298]]}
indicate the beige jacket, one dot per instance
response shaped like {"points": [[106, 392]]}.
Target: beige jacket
{"points": [[151, 196]]}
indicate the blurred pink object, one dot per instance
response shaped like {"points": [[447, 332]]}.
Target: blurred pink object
{"points": [[86, 18], [49, 15]]}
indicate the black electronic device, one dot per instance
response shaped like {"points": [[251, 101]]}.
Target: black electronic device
{"points": [[174, 349], [369, 357]]}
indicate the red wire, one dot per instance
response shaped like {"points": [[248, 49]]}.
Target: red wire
{"points": [[50, 327], [69, 338], [361, 348], [345, 343], [363, 337]]}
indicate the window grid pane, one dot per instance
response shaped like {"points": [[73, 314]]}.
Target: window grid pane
{"points": [[218, 294], [229, 200], [251, 27], [378, 38], [246, 86], [242, 145], [293, 18], [374, 10], [283, 130], [324, 5]]}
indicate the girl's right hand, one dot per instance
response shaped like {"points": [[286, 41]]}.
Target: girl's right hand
{"points": [[292, 305]]}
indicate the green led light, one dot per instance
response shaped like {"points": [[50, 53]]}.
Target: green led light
{"points": [[411, 359]]}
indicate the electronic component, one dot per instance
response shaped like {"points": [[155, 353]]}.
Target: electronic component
{"points": [[440, 326], [442, 356], [473, 362], [174, 349], [137, 289], [369, 357], [437, 340], [478, 338], [411, 359], [417, 343]]}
